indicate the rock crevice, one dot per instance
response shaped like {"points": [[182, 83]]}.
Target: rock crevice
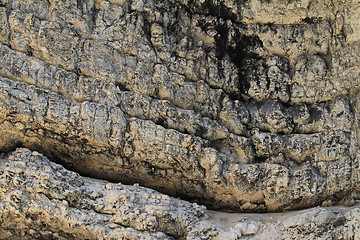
{"points": [[203, 100]]}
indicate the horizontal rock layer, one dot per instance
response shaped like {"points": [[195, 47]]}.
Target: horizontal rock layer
{"points": [[42, 200], [213, 101]]}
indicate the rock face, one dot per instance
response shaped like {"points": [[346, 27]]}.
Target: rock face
{"points": [[42, 200], [248, 106]]}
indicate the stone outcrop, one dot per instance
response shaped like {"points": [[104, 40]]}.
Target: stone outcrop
{"points": [[42, 200], [246, 106]]}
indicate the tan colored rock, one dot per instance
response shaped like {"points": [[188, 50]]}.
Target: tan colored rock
{"points": [[41, 199], [228, 103]]}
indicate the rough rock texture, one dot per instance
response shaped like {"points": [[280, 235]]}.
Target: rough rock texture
{"points": [[249, 106], [42, 200]]}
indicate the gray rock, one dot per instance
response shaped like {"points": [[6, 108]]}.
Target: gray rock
{"points": [[41, 199], [226, 103]]}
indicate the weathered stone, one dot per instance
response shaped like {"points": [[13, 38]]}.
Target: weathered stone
{"points": [[239, 105], [4, 28], [41, 199]]}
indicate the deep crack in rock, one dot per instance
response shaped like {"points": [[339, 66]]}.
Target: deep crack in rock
{"points": [[202, 101]]}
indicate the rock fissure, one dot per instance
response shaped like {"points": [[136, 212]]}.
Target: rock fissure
{"points": [[245, 106]]}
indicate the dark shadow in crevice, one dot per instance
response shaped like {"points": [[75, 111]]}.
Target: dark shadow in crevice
{"points": [[215, 8], [239, 52], [121, 86], [8, 148]]}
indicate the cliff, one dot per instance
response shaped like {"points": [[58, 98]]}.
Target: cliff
{"points": [[240, 106]]}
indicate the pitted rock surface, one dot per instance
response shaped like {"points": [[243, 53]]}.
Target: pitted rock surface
{"points": [[42, 200], [226, 103]]}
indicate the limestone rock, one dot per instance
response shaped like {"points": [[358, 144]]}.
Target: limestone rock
{"points": [[248, 106], [42, 200], [60, 204]]}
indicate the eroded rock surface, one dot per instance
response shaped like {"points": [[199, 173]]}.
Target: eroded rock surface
{"points": [[226, 103], [42, 200]]}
